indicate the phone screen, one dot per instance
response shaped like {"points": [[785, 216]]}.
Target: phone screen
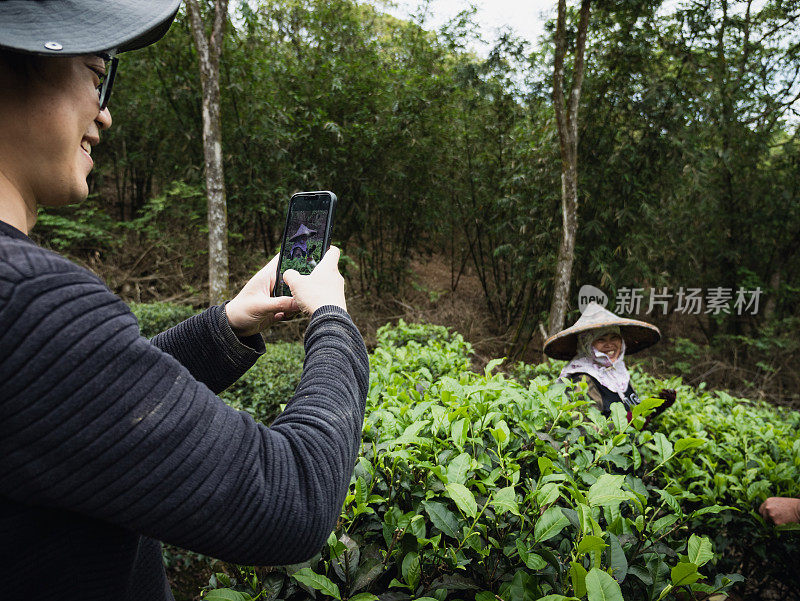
{"points": [[306, 236]]}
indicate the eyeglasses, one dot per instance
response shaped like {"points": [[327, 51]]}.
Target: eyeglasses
{"points": [[104, 91]]}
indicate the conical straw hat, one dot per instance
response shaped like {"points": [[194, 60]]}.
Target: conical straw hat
{"points": [[303, 231], [638, 335]]}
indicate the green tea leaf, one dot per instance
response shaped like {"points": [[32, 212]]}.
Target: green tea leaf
{"points": [[664, 522], [684, 573], [440, 420], [545, 465], [671, 501], [442, 518], [689, 443], [501, 433], [316, 581], [411, 569], [577, 574], [361, 493], [590, 543], [712, 509], [459, 431], [637, 458], [491, 365], [457, 468], [505, 500], [464, 499], [224, 594], [700, 550], [549, 524], [641, 574], [646, 406], [602, 587], [548, 494], [663, 447], [607, 491], [531, 560], [395, 582], [617, 560], [363, 597], [619, 416], [535, 562], [409, 435], [584, 513]]}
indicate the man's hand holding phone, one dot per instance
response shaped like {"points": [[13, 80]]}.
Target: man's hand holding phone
{"points": [[323, 286], [253, 310]]}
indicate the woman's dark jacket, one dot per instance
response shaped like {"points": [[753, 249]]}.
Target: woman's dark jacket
{"points": [[602, 396]]}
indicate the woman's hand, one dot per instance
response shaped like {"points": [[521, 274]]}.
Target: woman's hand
{"points": [[669, 395], [323, 286], [254, 309], [780, 510]]}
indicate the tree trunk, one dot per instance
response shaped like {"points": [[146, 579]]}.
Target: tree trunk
{"points": [[208, 52], [567, 123], [772, 298]]}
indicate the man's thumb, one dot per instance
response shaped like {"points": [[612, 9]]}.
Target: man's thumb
{"points": [[290, 276]]}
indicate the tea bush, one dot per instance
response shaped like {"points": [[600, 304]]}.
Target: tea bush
{"points": [[154, 318], [473, 486], [752, 452], [270, 383], [438, 336]]}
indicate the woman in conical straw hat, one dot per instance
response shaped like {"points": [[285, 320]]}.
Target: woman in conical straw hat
{"points": [[596, 347]]}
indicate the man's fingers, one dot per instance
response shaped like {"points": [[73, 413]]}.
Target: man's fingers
{"points": [[281, 304]]}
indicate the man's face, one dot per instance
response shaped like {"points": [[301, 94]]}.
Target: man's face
{"points": [[610, 344], [49, 120]]}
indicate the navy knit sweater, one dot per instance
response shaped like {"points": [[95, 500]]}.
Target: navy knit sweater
{"points": [[110, 443]]}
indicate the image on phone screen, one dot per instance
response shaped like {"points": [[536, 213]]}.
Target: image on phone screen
{"points": [[306, 235]]}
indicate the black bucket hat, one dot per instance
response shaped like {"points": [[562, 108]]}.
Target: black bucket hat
{"points": [[74, 27]]}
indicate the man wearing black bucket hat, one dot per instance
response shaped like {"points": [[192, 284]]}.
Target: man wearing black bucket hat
{"points": [[110, 443]]}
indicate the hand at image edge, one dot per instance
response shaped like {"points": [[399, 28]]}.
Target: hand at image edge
{"points": [[781, 510]]}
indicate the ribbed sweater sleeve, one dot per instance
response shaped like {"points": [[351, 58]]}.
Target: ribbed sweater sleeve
{"points": [[206, 345], [97, 420]]}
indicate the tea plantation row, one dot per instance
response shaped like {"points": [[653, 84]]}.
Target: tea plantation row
{"points": [[490, 486]]}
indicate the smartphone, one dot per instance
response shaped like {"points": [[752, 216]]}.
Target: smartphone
{"points": [[306, 235]]}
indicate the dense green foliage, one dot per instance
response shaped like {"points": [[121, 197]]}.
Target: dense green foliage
{"points": [[474, 485]]}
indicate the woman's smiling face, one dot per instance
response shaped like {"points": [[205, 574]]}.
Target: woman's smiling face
{"points": [[50, 118], [610, 344]]}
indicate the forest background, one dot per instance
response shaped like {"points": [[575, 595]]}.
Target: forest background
{"points": [[447, 169]]}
